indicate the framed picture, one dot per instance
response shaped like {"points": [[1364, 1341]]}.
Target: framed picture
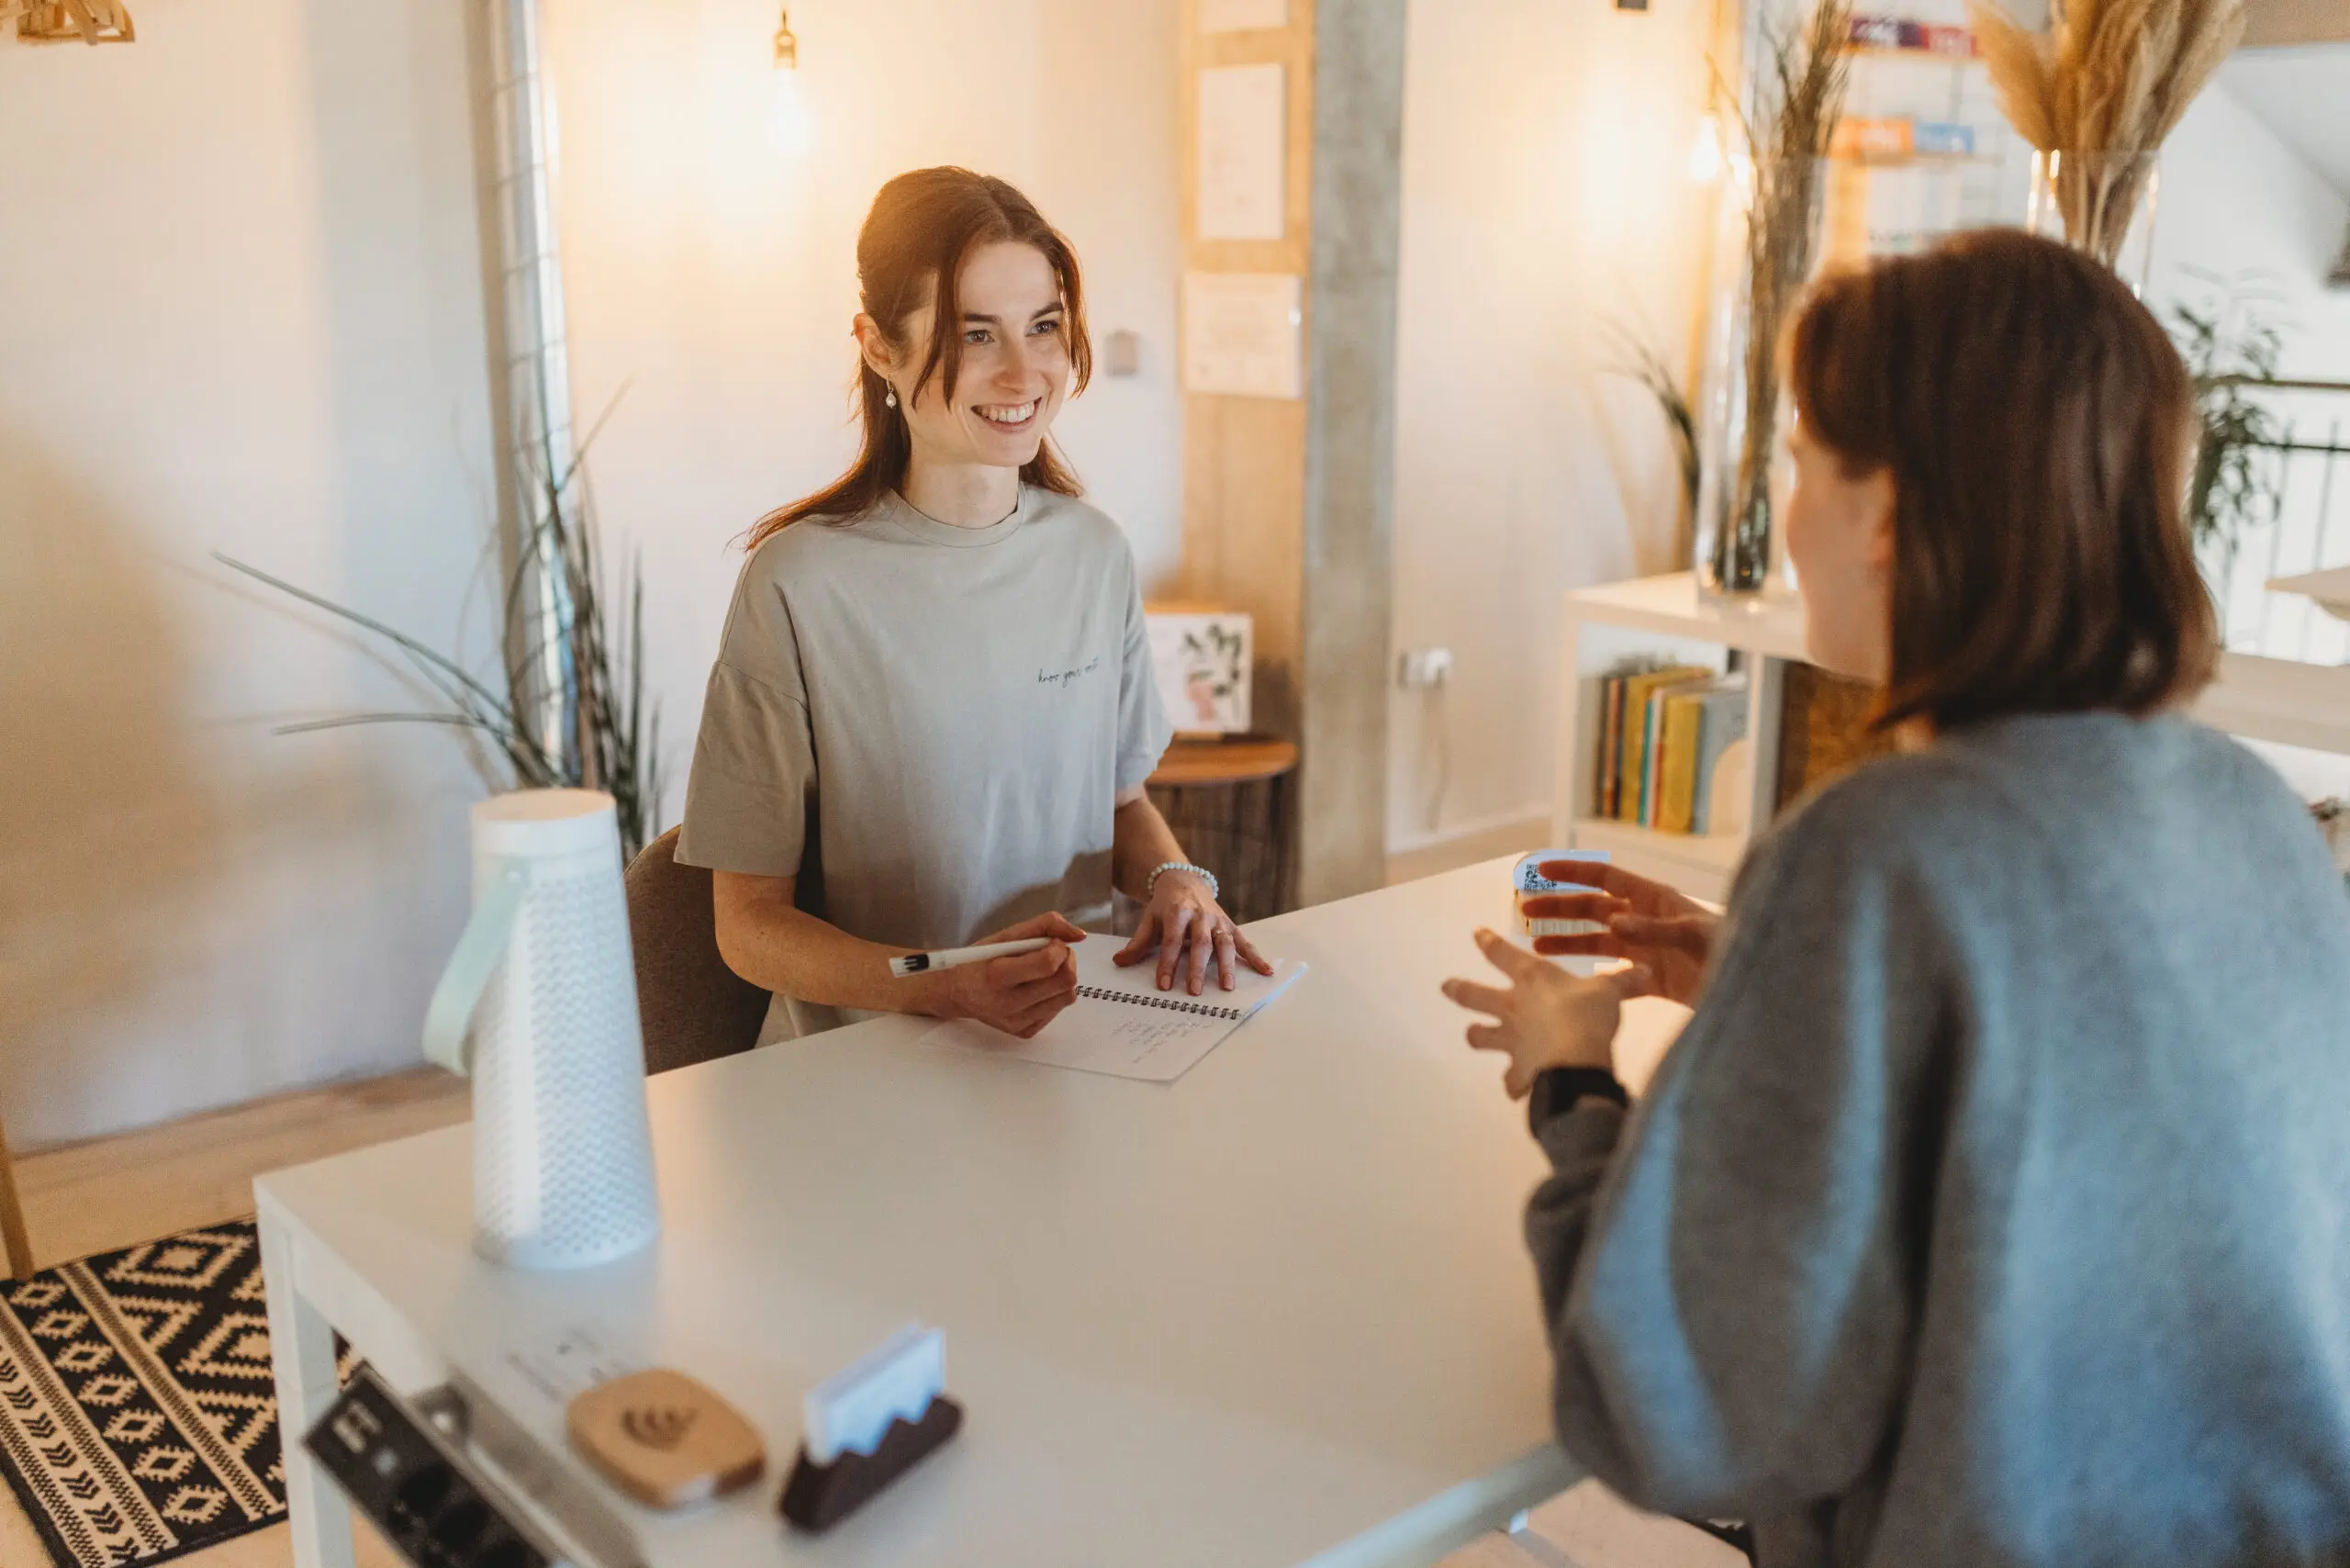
{"points": [[1203, 659]]}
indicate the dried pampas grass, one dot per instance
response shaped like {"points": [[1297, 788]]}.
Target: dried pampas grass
{"points": [[2100, 92], [69, 21], [1798, 97]]}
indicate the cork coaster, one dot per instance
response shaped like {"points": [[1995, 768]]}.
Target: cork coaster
{"points": [[665, 1439]]}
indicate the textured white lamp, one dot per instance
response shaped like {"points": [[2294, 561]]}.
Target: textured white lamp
{"points": [[539, 1004]]}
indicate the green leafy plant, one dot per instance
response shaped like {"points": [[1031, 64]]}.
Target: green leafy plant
{"points": [[2231, 349], [564, 651], [1636, 359]]}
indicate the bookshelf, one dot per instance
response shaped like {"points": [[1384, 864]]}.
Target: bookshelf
{"points": [[2257, 699], [1892, 186], [1924, 56]]}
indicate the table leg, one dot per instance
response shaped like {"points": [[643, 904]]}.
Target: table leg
{"points": [[1278, 826], [12, 1219], [302, 1349]]}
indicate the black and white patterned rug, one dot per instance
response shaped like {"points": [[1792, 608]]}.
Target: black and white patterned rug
{"points": [[138, 1415]]}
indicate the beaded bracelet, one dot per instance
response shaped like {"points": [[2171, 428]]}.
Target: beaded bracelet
{"points": [[1215, 889]]}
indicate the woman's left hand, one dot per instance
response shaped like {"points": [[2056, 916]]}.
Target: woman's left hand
{"points": [[1547, 1017], [1187, 926]]}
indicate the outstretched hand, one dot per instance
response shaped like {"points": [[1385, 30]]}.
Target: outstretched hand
{"points": [[1546, 1016], [1665, 935], [1188, 928]]}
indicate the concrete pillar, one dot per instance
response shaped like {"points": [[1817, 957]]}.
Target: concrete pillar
{"points": [[1350, 447], [1288, 503]]}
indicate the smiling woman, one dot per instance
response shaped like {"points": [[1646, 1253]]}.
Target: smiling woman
{"points": [[933, 707], [949, 245]]}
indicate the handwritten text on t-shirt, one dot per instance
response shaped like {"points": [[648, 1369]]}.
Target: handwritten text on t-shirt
{"points": [[1064, 676]]}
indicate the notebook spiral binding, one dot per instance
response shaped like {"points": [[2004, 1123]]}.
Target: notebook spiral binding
{"points": [[1173, 1004]]}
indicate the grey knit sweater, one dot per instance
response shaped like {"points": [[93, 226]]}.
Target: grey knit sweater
{"points": [[1994, 1208]]}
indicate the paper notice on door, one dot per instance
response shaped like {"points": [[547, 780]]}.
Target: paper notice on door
{"points": [[1242, 16], [1243, 334], [1243, 152]]}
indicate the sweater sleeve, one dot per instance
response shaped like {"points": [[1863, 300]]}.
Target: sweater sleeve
{"points": [[1728, 1272]]}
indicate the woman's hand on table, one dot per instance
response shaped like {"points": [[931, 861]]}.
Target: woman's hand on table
{"points": [[1017, 995], [1546, 1016], [1665, 935], [1188, 928]]}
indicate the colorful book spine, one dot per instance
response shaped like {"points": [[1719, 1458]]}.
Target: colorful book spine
{"points": [[1957, 43], [1944, 137], [1630, 751], [1685, 714], [1722, 724], [1652, 781], [1883, 32], [1632, 761], [1901, 33], [1651, 753], [1858, 136], [1608, 787]]}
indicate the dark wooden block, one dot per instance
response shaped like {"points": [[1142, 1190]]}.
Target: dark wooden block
{"points": [[819, 1496]]}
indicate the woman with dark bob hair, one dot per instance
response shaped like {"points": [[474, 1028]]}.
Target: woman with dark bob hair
{"points": [[1994, 1207]]}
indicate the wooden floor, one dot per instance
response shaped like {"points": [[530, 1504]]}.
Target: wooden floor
{"points": [[110, 1192]]}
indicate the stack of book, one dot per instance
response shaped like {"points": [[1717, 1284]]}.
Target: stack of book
{"points": [[1663, 730], [1923, 38]]}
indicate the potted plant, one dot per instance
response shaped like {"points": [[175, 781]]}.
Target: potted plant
{"points": [[567, 708]]}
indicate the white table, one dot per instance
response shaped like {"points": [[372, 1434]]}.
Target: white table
{"points": [[1276, 1313]]}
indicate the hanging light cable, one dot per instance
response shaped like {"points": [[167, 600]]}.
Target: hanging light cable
{"points": [[788, 124]]}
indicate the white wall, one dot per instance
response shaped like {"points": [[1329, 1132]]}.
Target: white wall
{"points": [[1545, 190], [715, 278], [242, 313], [245, 313], [2235, 199]]}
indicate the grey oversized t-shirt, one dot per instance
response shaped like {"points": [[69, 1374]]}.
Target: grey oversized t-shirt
{"points": [[927, 725]]}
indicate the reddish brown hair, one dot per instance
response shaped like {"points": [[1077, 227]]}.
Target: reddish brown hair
{"points": [[922, 227], [2038, 425]]}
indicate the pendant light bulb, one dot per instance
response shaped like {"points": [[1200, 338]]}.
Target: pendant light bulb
{"points": [[788, 124], [1706, 151]]}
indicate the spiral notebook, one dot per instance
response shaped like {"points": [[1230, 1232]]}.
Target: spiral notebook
{"points": [[1122, 1024]]}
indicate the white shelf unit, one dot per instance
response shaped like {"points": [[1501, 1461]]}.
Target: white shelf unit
{"points": [[2259, 699]]}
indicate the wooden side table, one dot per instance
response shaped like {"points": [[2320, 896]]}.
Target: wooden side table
{"points": [[1228, 802], [12, 1219]]}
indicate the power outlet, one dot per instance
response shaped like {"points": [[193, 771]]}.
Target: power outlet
{"points": [[1424, 669]]}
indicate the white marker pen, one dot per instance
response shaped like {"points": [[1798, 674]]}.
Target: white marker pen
{"points": [[956, 958]]}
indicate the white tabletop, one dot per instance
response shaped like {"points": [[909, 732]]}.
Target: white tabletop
{"points": [[1275, 1308]]}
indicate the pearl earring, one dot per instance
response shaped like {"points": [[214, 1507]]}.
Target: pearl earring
{"points": [[889, 398]]}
